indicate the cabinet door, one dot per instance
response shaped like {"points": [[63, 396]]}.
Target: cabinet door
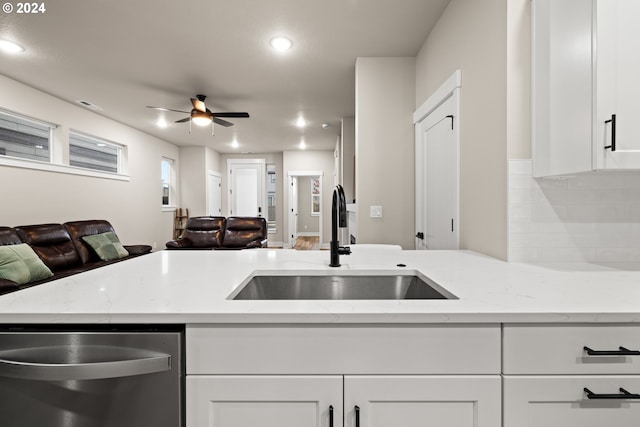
{"points": [[418, 401], [265, 401], [562, 86], [618, 88], [561, 401]]}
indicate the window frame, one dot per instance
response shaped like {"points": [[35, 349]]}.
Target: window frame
{"points": [[29, 120], [84, 137], [171, 196], [58, 144]]}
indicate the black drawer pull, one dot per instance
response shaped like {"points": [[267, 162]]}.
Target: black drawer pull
{"points": [[330, 415], [624, 394], [621, 352], [357, 411], [612, 120]]}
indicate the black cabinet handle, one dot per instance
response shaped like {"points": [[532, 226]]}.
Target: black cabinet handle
{"points": [[612, 120], [621, 352], [624, 394], [330, 415], [357, 410]]}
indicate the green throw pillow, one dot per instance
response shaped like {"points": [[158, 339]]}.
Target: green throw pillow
{"points": [[20, 264], [106, 245]]}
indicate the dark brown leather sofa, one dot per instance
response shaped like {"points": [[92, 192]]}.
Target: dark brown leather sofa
{"points": [[61, 248], [218, 232]]}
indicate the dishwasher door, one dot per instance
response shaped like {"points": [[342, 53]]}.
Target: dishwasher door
{"points": [[91, 379]]}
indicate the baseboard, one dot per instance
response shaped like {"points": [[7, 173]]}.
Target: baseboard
{"points": [[309, 234]]}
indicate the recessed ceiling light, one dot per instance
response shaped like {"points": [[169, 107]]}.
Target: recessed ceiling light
{"points": [[281, 43], [234, 143], [302, 145], [301, 122], [10, 47], [162, 123], [325, 125]]}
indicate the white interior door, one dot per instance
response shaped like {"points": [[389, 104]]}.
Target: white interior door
{"points": [[437, 171], [246, 189], [214, 194]]}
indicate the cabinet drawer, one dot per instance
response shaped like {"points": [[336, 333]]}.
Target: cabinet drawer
{"points": [[327, 349], [559, 349], [561, 401]]}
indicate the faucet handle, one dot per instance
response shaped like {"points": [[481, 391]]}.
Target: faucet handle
{"points": [[344, 250]]}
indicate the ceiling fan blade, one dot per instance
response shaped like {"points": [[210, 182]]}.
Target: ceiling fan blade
{"points": [[222, 122], [186, 119], [228, 114], [199, 105], [167, 109]]}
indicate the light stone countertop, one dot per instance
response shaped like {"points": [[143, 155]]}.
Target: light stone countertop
{"points": [[191, 287]]}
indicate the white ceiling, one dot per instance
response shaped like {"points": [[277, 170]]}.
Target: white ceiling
{"points": [[124, 55]]}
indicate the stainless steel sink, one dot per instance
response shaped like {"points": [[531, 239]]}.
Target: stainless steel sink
{"points": [[339, 287]]}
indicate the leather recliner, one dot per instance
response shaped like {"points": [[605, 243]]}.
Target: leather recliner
{"points": [[216, 232], [200, 232]]}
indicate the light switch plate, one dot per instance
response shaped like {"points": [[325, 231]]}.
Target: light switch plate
{"points": [[375, 211]]}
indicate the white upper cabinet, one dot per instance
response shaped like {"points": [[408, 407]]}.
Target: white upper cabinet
{"points": [[585, 66], [617, 39]]}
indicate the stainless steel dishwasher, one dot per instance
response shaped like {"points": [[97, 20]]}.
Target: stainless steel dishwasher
{"points": [[114, 377]]}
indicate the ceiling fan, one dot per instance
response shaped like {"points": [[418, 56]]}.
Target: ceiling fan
{"points": [[201, 115]]}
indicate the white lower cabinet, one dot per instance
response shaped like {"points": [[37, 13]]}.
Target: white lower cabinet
{"points": [[561, 401], [317, 401], [265, 401], [417, 401], [343, 375], [571, 375]]}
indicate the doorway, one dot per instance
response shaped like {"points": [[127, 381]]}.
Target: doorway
{"points": [[305, 209], [246, 187], [437, 124]]}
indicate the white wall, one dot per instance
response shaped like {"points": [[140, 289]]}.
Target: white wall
{"points": [[196, 162], [385, 101], [471, 35], [133, 207], [348, 157], [518, 79], [193, 180]]}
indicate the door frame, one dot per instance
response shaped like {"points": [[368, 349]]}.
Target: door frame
{"points": [[262, 193], [449, 89], [218, 175], [293, 198]]}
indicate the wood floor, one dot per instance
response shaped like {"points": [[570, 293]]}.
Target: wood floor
{"points": [[307, 243]]}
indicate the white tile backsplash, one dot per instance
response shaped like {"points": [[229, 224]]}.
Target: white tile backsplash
{"points": [[593, 218]]}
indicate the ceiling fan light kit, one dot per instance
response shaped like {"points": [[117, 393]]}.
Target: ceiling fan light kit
{"points": [[202, 116]]}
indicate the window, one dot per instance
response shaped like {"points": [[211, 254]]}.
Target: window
{"points": [[93, 153], [25, 138], [168, 179]]}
